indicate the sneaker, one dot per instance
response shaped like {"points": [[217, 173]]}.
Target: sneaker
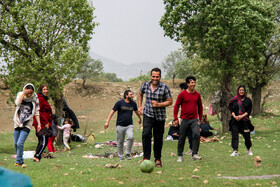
{"points": [[17, 164], [189, 152], [128, 157], [180, 159], [250, 153], [196, 157], [121, 159], [234, 153]]}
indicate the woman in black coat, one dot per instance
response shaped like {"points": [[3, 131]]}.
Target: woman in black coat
{"points": [[240, 107]]}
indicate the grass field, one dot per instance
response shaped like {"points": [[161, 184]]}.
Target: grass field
{"points": [[71, 169]]}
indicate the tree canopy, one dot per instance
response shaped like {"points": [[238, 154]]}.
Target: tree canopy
{"points": [[44, 41], [90, 70], [226, 33]]}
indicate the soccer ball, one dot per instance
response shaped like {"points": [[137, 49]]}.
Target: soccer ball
{"points": [[147, 166]]}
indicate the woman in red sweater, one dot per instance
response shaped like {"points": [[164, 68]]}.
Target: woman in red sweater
{"points": [[44, 133]]}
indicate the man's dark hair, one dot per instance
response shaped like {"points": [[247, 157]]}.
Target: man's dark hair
{"points": [[126, 93], [29, 87], [183, 86], [189, 78], [156, 70]]}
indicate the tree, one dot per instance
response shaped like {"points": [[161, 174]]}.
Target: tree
{"points": [[169, 63], [184, 68], [265, 68], [44, 42], [141, 78], [111, 77], [90, 70], [221, 32]]}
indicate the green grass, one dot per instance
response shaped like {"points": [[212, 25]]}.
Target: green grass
{"points": [[71, 169]]}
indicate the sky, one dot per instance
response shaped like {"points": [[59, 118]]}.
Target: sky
{"points": [[129, 31]]}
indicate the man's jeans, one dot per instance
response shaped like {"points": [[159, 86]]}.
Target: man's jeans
{"points": [[186, 126], [19, 139], [152, 128], [121, 131]]}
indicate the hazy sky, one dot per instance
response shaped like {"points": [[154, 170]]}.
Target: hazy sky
{"points": [[129, 31]]}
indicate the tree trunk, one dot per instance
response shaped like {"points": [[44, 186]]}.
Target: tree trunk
{"points": [[173, 80], [256, 99], [84, 83], [59, 103], [226, 96]]}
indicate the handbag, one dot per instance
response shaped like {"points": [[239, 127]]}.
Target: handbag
{"points": [[46, 132], [251, 126]]}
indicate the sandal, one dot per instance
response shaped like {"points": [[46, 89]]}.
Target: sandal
{"points": [[158, 163], [36, 159]]}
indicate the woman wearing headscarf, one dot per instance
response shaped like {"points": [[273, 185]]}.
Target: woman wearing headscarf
{"points": [[44, 135], [27, 106], [240, 107]]}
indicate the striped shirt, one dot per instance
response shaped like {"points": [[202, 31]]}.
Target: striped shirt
{"points": [[160, 94]]}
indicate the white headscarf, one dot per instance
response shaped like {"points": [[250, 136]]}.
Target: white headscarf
{"points": [[33, 96]]}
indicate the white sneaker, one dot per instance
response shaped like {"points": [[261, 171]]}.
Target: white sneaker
{"points": [[189, 152], [196, 157], [234, 153], [250, 153], [180, 159]]}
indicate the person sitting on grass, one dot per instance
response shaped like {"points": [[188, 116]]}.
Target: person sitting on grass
{"points": [[66, 132], [205, 127], [174, 130]]}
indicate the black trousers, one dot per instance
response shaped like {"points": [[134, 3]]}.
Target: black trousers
{"points": [[240, 127], [152, 127], [186, 126], [42, 143]]}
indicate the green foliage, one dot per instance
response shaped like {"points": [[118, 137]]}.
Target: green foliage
{"points": [[226, 33], [143, 78], [110, 77], [260, 71], [221, 31], [184, 68], [44, 41], [170, 61], [91, 69]]}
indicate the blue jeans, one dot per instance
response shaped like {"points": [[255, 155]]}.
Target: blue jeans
{"points": [[19, 138]]}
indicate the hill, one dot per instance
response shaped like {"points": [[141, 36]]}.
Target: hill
{"points": [[124, 71]]}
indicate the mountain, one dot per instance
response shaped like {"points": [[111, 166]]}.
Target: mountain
{"points": [[124, 71]]}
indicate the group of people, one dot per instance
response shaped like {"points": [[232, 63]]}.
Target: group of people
{"points": [[33, 109], [193, 123]]}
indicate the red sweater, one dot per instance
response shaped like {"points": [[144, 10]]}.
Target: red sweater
{"points": [[45, 113], [191, 106]]}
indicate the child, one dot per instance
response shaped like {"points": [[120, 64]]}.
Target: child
{"points": [[205, 127], [66, 132], [174, 131]]}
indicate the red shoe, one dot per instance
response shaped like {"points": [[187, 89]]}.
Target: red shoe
{"points": [[158, 163]]}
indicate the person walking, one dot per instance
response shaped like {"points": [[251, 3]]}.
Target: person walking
{"points": [[191, 115], [240, 107], [45, 133], [158, 97], [125, 108], [66, 127], [27, 106]]}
